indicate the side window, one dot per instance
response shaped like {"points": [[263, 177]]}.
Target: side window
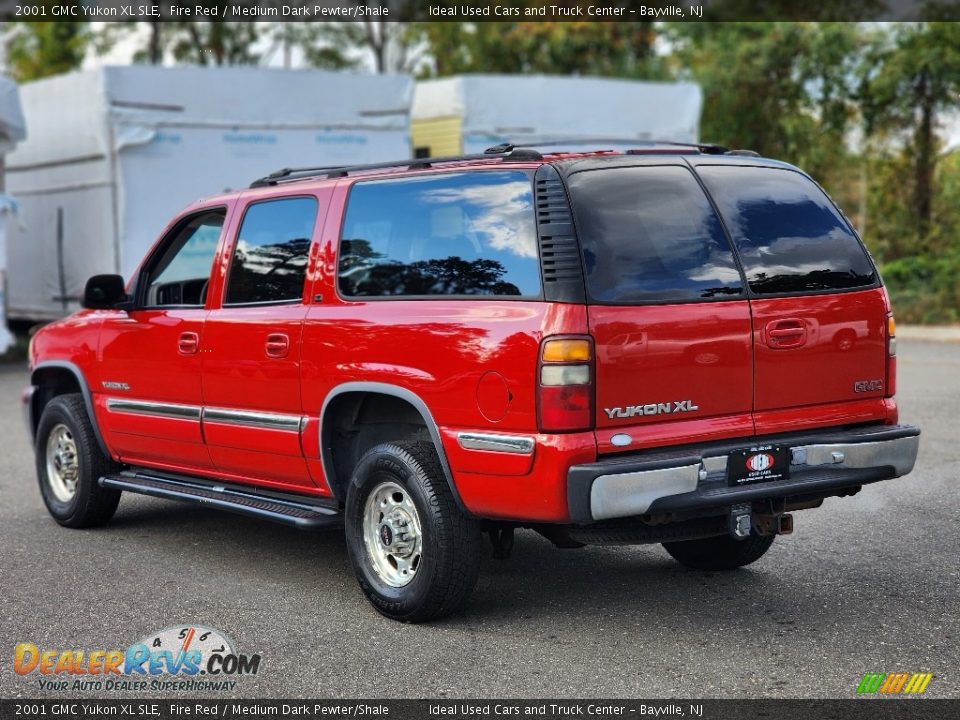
{"points": [[649, 235], [270, 258], [468, 233], [790, 236], [179, 275]]}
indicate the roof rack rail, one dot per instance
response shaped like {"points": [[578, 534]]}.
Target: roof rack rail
{"points": [[331, 171], [705, 148]]}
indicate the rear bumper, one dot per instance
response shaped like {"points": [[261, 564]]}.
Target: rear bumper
{"points": [[692, 480]]}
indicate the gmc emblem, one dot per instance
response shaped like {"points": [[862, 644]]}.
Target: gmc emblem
{"points": [[861, 386]]}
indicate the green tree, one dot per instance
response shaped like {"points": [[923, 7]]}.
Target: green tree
{"points": [[622, 49], [910, 77], [39, 49], [781, 88], [389, 46]]}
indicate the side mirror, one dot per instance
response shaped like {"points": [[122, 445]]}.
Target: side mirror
{"points": [[104, 292]]}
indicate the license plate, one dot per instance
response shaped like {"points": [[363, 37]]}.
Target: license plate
{"points": [[764, 463]]}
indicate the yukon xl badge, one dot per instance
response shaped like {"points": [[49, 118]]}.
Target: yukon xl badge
{"points": [[677, 406]]}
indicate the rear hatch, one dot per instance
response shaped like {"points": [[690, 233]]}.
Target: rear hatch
{"points": [[725, 299], [819, 312]]}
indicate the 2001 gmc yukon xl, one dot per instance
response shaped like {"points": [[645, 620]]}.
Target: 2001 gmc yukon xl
{"points": [[675, 345]]}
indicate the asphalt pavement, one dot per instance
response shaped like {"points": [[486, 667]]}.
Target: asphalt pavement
{"points": [[865, 584]]}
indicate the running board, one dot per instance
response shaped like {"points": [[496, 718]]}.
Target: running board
{"points": [[306, 513]]}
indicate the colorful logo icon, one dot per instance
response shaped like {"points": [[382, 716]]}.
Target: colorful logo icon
{"points": [[182, 651], [898, 683]]}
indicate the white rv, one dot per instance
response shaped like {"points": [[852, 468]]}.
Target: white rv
{"points": [[113, 153], [469, 113]]}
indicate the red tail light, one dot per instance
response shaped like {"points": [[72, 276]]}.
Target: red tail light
{"points": [[891, 356], [565, 393]]}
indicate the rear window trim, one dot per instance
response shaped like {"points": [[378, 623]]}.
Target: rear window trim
{"points": [[878, 281], [747, 293], [354, 299]]}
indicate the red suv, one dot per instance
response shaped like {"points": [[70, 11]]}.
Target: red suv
{"points": [[676, 345]]}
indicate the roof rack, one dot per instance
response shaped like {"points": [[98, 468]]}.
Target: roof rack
{"points": [[505, 152], [705, 148]]}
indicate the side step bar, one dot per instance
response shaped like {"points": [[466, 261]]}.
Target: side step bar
{"points": [[305, 513]]}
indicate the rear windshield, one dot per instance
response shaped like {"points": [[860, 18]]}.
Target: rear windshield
{"points": [[649, 235], [789, 235]]}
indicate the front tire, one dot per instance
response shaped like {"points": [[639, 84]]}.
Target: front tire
{"points": [[719, 553], [70, 463], [415, 554]]}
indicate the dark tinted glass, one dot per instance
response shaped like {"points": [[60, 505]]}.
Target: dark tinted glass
{"points": [[649, 234], [452, 234], [180, 275], [789, 235], [270, 259]]}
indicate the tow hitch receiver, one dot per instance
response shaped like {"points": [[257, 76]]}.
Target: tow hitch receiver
{"points": [[739, 522]]}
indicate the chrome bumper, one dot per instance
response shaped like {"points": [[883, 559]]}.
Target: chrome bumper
{"points": [[696, 479]]}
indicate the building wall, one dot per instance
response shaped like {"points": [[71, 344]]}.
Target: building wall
{"points": [[437, 137]]}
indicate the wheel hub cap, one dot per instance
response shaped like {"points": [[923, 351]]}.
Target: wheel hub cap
{"points": [[392, 535], [63, 465]]}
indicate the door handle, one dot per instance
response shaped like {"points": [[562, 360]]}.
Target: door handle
{"points": [[278, 345], [188, 343], [786, 334]]}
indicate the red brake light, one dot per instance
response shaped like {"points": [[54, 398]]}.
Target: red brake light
{"points": [[891, 385], [565, 393]]}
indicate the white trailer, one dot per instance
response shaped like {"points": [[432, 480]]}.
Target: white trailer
{"points": [[12, 131], [469, 113], [114, 153]]}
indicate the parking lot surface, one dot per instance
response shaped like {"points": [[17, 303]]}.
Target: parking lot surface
{"points": [[865, 584]]}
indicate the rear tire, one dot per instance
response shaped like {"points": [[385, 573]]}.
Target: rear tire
{"points": [[415, 554], [719, 553], [70, 464]]}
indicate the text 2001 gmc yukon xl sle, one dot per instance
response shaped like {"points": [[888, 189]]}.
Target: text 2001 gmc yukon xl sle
{"points": [[675, 345]]}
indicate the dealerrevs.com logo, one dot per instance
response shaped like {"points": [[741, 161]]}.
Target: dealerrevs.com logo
{"points": [[187, 658]]}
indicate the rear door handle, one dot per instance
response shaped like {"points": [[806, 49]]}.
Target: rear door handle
{"points": [[278, 345], [188, 343], [786, 334]]}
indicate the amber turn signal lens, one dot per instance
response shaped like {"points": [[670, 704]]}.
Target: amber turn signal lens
{"points": [[891, 327], [566, 351]]}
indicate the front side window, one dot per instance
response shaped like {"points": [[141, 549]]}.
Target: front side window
{"points": [[269, 262], [179, 277], [470, 233], [649, 235], [789, 235]]}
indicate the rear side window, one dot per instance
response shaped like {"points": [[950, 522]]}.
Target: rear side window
{"points": [[649, 235], [270, 259], [789, 235], [452, 234]]}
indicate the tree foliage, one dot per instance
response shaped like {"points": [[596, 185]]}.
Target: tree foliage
{"points": [[40, 49], [910, 77], [779, 88], [622, 49]]}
